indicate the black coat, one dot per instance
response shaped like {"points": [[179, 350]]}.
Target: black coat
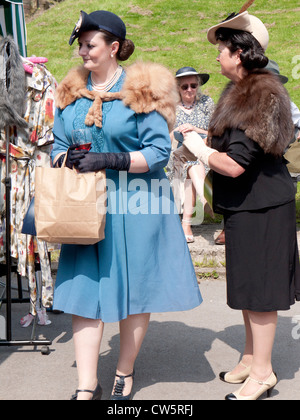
{"points": [[265, 183]]}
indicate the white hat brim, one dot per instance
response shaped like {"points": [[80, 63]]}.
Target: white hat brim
{"points": [[242, 22], [239, 22], [204, 76]]}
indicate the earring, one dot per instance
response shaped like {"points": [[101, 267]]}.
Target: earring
{"points": [[112, 56]]}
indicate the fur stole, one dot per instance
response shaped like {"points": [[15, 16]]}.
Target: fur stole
{"points": [[12, 94], [259, 105], [148, 87]]}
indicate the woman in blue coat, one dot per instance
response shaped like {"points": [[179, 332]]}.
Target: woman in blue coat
{"points": [[143, 265]]}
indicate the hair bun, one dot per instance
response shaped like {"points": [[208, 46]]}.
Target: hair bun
{"points": [[126, 50], [254, 59]]}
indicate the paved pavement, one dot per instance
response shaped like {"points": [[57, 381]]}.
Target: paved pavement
{"points": [[181, 357]]}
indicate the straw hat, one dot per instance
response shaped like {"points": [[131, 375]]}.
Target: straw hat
{"points": [[242, 22]]}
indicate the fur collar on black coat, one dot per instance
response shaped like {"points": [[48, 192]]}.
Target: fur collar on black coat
{"points": [[259, 105]]}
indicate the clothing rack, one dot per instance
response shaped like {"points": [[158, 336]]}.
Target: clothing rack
{"points": [[8, 268], [20, 298], [12, 89]]}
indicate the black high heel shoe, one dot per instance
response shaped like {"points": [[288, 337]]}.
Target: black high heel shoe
{"points": [[119, 388], [97, 394]]}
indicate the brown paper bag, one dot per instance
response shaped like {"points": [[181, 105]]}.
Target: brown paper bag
{"points": [[70, 207]]}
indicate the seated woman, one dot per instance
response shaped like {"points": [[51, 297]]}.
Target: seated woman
{"points": [[193, 113]]}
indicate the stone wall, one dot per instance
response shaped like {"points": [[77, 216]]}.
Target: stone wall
{"points": [[31, 6], [26, 4]]}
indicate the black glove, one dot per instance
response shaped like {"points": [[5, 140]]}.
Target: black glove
{"points": [[73, 157], [92, 162]]}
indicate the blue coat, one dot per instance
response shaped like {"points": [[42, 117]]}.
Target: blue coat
{"points": [[143, 265]]}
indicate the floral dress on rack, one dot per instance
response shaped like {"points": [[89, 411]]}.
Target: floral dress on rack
{"points": [[29, 148]]}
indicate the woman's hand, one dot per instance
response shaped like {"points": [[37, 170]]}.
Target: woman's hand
{"points": [[197, 146], [74, 156], [186, 128]]}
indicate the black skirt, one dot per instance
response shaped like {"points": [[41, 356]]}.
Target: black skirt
{"points": [[262, 259]]}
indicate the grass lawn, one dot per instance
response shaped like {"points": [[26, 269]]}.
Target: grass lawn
{"points": [[172, 33]]}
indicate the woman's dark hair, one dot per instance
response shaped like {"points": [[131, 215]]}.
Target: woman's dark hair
{"points": [[252, 55], [126, 47]]}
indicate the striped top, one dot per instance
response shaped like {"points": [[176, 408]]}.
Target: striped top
{"points": [[12, 22]]}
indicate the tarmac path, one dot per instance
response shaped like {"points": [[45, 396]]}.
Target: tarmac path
{"points": [[181, 357]]}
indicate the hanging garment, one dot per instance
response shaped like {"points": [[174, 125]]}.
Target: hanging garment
{"points": [[30, 147], [12, 21], [12, 85]]}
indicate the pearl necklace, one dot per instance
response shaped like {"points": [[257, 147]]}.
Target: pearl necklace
{"points": [[100, 87]]}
